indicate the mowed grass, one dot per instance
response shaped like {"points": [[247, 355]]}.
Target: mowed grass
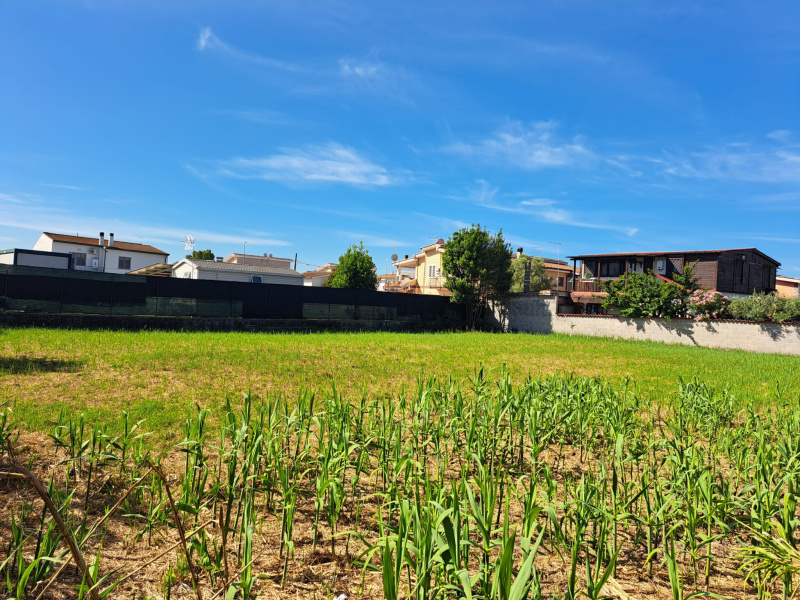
{"points": [[161, 376]]}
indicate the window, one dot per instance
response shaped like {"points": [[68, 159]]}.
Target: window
{"points": [[610, 268], [255, 279], [560, 283], [431, 271], [124, 263], [79, 259]]}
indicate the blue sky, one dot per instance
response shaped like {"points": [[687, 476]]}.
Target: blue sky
{"points": [[305, 127]]}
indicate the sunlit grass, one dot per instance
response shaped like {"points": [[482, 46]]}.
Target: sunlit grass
{"points": [[160, 376]]}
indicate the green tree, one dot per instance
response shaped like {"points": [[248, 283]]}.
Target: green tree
{"points": [[640, 295], [687, 279], [355, 271], [477, 268], [201, 255], [539, 280]]}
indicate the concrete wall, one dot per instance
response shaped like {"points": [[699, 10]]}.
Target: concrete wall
{"points": [[537, 314]]}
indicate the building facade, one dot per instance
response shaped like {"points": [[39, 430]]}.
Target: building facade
{"points": [[101, 255]]}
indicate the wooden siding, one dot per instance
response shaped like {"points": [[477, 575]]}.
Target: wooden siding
{"points": [[752, 275], [705, 271]]}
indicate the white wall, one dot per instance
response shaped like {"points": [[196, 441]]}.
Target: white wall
{"points": [[537, 314]]}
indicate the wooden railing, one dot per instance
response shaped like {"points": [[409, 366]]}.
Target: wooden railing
{"points": [[587, 285]]}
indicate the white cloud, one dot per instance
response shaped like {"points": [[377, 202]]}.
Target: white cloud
{"points": [[738, 162], [50, 218], [529, 147], [543, 209], [64, 187], [208, 42], [332, 163], [371, 240], [11, 199], [349, 75], [780, 135]]}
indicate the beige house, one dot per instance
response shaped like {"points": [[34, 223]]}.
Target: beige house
{"points": [[318, 276], [256, 260], [217, 270], [427, 275], [788, 287]]}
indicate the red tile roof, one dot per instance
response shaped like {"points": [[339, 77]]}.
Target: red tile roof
{"points": [[87, 241]]}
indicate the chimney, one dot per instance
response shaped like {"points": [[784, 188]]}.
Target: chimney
{"points": [[102, 241], [405, 257], [519, 252], [110, 240]]}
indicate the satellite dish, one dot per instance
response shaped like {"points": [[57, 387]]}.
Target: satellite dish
{"points": [[394, 257], [188, 243]]}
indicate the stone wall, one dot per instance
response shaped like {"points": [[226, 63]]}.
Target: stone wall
{"points": [[537, 314]]}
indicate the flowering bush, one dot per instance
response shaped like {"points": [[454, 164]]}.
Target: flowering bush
{"points": [[705, 304]]}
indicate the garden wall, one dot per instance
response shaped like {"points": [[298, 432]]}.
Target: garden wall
{"points": [[537, 314]]}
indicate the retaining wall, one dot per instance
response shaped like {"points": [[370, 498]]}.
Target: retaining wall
{"points": [[537, 314], [134, 323]]}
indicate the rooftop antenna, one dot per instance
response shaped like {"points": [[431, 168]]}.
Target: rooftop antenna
{"points": [[394, 256], [188, 243]]}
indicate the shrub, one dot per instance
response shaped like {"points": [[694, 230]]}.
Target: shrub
{"points": [[766, 307], [640, 295], [705, 304]]}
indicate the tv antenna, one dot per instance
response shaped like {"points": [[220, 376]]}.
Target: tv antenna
{"points": [[188, 243], [394, 256]]}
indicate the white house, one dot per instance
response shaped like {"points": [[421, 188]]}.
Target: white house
{"points": [[189, 268], [318, 276], [101, 255]]}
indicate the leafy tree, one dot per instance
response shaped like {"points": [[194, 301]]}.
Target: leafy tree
{"points": [[539, 280], [355, 271], [687, 278], [640, 295], [201, 255], [477, 268]]}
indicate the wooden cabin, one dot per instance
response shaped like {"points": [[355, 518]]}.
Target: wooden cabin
{"points": [[734, 272]]}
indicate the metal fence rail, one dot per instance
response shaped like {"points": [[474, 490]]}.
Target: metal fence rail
{"points": [[34, 289]]}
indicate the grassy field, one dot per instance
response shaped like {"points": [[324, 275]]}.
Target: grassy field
{"points": [[420, 466], [161, 376]]}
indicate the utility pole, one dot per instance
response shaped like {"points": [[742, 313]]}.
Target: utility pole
{"points": [[295, 261], [558, 267], [244, 254]]}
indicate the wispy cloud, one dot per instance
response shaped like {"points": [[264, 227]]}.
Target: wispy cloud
{"points": [[42, 220], [331, 163], [64, 187], [444, 223], [348, 75], [260, 116], [208, 42], [739, 161], [375, 77], [372, 240], [11, 199], [543, 209], [780, 135], [531, 147]]}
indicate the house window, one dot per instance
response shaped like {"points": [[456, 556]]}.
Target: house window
{"points": [[124, 263], [560, 283], [432, 271], [610, 268], [79, 259], [255, 279]]}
